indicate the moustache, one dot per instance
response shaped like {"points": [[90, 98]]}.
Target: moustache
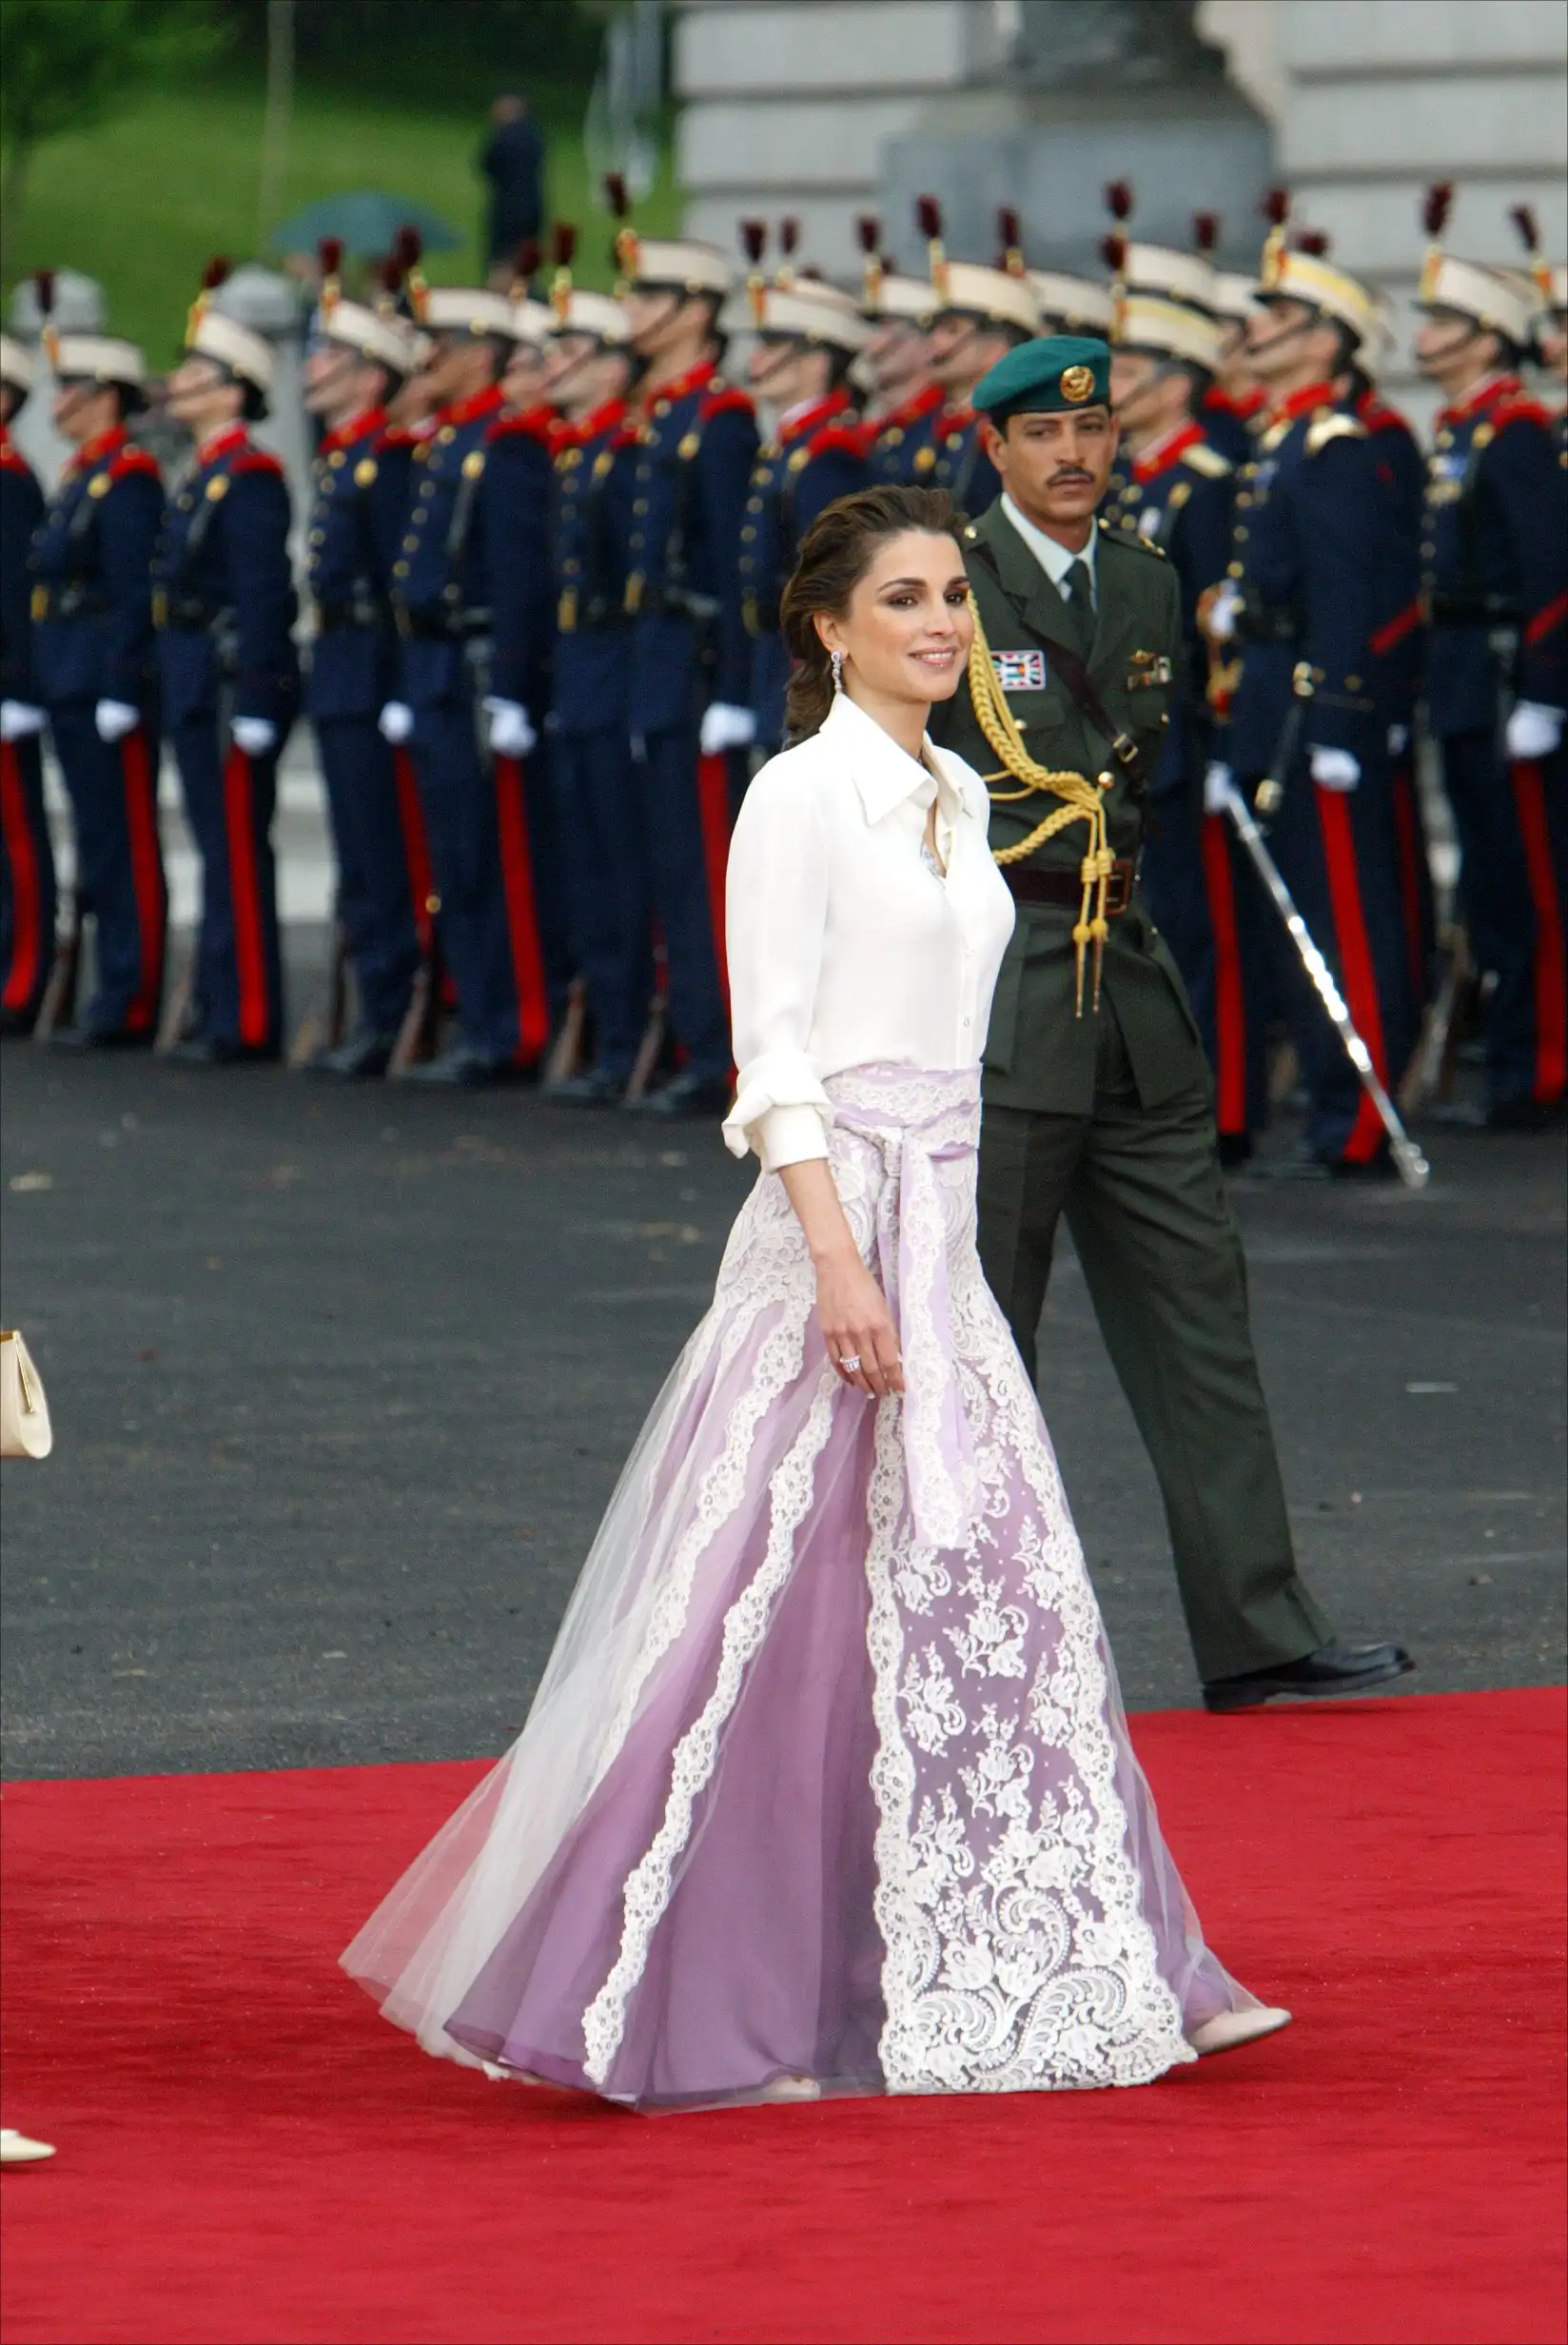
{"points": [[1069, 474]]}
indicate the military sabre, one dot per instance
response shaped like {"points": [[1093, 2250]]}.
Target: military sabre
{"points": [[1410, 1163]]}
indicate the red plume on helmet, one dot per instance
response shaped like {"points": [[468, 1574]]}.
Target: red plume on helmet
{"points": [[868, 230], [789, 245], [1276, 207], [43, 291], [390, 274], [1113, 251], [1313, 241], [1205, 230], [565, 242], [1438, 204], [215, 274], [928, 211], [1523, 218], [525, 268], [408, 248], [329, 253], [1009, 237], [754, 242], [1119, 199], [624, 250]]}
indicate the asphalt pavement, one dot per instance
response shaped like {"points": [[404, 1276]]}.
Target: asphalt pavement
{"points": [[342, 1379]]}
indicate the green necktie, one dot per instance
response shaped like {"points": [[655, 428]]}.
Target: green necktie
{"points": [[1079, 595]]}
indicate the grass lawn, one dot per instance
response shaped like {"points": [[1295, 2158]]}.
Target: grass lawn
{"points": [[142, 203]]}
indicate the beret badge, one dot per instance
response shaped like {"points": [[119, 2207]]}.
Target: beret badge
{"points": [[1077, 383]]}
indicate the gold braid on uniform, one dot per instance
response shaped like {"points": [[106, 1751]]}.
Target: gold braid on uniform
{"points": [[1081, 802]]}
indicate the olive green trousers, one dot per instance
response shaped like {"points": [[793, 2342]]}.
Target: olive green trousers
{"points": [[1161, 1249]]}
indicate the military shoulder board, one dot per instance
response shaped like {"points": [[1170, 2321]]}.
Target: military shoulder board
{"points": [[1020, 671]]}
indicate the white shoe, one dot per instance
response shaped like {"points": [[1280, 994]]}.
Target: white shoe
{"points": [[1228, 2030], [793, 2088], [16, 2150]]}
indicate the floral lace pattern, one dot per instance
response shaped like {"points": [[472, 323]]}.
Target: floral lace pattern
{"points": [[1016, 1952]]}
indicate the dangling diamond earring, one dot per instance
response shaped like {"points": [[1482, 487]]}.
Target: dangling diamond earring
{"points": [[838, 671]]}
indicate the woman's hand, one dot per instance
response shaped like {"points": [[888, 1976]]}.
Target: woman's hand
{"points": [[858, 1325], [851, 1307]]}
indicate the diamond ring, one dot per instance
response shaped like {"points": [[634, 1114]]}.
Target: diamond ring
{"points": [[850, 1364]]}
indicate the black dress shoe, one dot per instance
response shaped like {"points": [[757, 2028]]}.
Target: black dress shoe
{"points": [[597, 1087], [17, 1024], [463, 1069], [218, 1051], [359, 1059], [688, 1094], [1235, 1150], [99, 1038], [1335, 1669], [1524, 1116]]}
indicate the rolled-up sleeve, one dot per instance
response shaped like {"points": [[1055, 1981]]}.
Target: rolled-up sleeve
{"points": [[776, 918]]}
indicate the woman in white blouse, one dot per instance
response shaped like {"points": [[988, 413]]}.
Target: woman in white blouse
{"points": [[827, 1787]]}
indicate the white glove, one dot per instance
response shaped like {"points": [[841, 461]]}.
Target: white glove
{"points": [[1534, 730], [115, 719], [18, 718], [1217, 788], [1221, 624], [725, 727], [254, 735], [1399, 740], [396, 722], [1335, 769], [511, 733]]}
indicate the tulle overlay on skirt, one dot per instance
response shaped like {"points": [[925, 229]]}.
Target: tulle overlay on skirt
{"points": [[828, 1776]]}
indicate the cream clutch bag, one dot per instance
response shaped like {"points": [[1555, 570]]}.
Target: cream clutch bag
{"points": [[25, 1428]]}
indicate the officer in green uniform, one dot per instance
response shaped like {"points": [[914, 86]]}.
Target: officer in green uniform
{"points": [[1097, 1094]]}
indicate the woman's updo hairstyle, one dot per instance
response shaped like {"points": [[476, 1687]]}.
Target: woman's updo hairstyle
{"points": [[835, 553]]}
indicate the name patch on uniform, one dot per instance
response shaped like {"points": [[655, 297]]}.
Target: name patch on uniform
{"points": [[1020, 671]]}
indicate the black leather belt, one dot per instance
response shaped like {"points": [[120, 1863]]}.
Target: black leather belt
{"points": [[1031, 885], [333, 617], [442, 626]]}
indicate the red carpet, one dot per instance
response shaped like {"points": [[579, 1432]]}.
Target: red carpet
{"points": [[248, 2153]]}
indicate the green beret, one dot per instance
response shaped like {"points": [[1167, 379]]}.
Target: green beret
{"points": [[1055, 374]]}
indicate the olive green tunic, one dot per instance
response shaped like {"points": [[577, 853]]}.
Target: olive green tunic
{"points": [[1105, 1113]]}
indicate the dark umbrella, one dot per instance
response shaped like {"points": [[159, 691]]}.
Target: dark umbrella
{"points": [[364, 223]]}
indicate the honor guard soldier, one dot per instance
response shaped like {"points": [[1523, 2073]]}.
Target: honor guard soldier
{"points": [[688, 707], [1176, 493], [27, 904], [224, 607], [1097, 1098], [361, 358], [1236, 398], [806, 338], [1398, 639], [472, 803], [1299, 605], [981, 315], [1495, 581], [895, 363], [93, 644], [608, 893], [516, 500], [1072, 305]]}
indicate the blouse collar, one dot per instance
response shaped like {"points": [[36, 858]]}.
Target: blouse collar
{"points": [[883, 775]]}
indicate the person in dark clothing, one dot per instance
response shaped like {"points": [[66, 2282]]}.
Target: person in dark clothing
{"points": [[512, 159]]}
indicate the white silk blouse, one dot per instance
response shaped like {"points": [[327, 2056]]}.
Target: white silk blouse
{"points": [[845, 948]]}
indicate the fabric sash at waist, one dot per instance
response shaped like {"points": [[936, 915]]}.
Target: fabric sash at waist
{"points": [[916, 1119]]}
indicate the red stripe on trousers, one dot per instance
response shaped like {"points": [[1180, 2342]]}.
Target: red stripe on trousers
{"points": [[146, 877], [1229, 997], [1550, 974], [27, 949], [1407, 834], [517, 874], [244, 900], [713, 805], [416, 847], [1355, 965], [1544, 620]]}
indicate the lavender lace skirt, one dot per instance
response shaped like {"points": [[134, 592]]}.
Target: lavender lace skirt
{"points": [[827, 1777]]}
